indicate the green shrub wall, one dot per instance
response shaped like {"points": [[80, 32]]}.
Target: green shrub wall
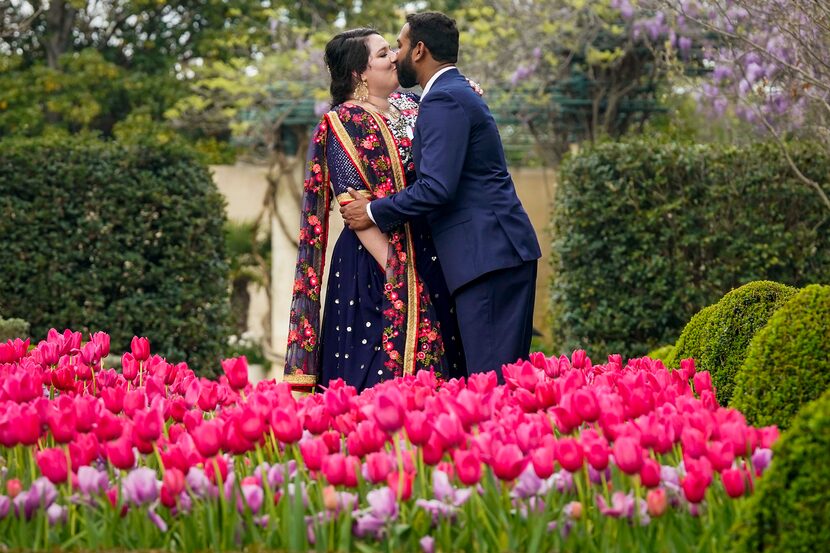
{"points": [[645, 234], [99, 236]]}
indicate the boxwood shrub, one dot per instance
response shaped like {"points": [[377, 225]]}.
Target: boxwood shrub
{"points": [[100, 236], [730, 327], [790, 509], [788, 362]]}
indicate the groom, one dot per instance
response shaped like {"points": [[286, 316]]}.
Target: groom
{"points": [[487, 247]]}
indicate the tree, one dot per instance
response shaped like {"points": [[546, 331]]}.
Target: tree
{"points": [[769, 64], [571, 71]]}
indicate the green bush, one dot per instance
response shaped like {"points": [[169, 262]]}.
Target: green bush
{"points": [[101, 236], [690, 343], [13, 328], [662, 353], [790, 509], [788, 362], [730, 327], [647, 233]]}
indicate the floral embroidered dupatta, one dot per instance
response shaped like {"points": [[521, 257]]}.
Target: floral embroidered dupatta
{"points": [[411, 339]]}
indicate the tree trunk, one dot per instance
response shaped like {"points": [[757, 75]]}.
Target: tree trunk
{"points": [[60, 20]]}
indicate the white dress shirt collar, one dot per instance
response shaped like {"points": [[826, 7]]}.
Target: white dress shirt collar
{"points": [[434, 78]]}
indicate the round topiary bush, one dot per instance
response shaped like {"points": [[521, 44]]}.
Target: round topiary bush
{"points": [[662, 353], [729, 328], [690, 343], [790, 509], [788, 362]]}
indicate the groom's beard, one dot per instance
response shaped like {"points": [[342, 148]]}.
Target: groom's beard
{"points": [[406, 72]]}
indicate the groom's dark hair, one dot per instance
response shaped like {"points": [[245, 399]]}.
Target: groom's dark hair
{"points": [[438, 33]]}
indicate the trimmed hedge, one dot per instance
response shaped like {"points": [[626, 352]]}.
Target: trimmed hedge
{"points": [[790, 509], [662, 353], [729, 329], [647, 233], [100, 236], [692, 339], [13, 328], [788, 362]]}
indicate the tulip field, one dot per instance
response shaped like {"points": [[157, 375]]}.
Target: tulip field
{"points": [[567, 455]]}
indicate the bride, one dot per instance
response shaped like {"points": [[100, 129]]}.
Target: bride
{"points": [[387, 311]]}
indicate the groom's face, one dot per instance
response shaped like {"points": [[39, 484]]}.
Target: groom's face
{"points": [[407, 75]]}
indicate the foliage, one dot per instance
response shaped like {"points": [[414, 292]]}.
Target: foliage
{"points": [[663, 353], [13, 328], [98, 235], [645, 234], [693, 338], [790, 511], [788, 362], [731, 325]]}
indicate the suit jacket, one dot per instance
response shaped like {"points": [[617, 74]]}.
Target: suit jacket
{"points": [[463, 187]]}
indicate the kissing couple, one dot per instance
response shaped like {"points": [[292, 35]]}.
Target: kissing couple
{"points": [[436, 267]]}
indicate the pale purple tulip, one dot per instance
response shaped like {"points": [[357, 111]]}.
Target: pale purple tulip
{"points": [[427, 544], [141, 486], [198, 482], [56, 514], [91, 481], [761, 459], [438, 510], [253, 497]]}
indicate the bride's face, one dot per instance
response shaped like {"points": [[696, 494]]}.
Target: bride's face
{"points": [[381, 74]]}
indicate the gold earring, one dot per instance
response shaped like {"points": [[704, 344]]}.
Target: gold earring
{"points": [[361, 92]]}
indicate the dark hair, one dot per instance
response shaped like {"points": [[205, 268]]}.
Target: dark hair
{"points": [[346, 54], [438, 33]]}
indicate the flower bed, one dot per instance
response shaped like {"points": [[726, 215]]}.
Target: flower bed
{"points": [[566, 455]]}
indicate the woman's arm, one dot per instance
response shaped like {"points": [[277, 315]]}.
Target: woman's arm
{"points": [[376, 243]]}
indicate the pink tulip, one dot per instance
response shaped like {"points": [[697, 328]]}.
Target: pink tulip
{"points": [[286, 426], [569, 454], [628, 455], [389, 409], [448, 429], [597, 453], [543, 461], [207, 437], [720, 455], [694, 486], [334, 468], [148, 424], [52, 464], [418, 428], [378, 467], [702, 382], [586, 404], [733, 482], [467, 466], [650, 473], [140, 348], [236, 370], [509, 462]]}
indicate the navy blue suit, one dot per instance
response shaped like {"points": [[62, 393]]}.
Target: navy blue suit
{"points": [[483, 236]]}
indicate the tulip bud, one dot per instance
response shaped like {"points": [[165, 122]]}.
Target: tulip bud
{"points": [[656, 502]]}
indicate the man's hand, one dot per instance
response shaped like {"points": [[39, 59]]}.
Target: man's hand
{"points": [[354, 213]]}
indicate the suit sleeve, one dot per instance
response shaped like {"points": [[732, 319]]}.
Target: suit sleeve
{"points": [[444, 132]]}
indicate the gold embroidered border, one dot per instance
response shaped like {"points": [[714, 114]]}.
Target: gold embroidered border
{"points": [[412, 308], [346, 197], [303, 379], [345, 140]]}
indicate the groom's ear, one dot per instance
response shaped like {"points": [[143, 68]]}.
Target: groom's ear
{"points": [[419, 52]]}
